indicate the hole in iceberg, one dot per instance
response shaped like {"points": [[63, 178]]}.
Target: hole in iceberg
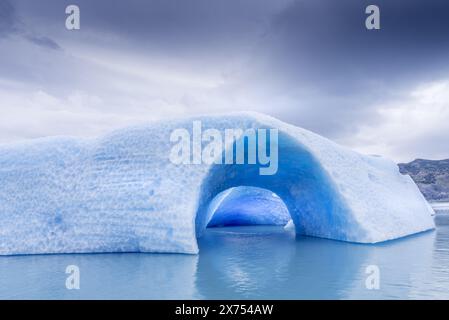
{"points": [[305, 187], [247, 206]]}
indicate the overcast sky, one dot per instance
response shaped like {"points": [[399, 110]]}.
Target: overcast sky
{"points": [[310, 63]]}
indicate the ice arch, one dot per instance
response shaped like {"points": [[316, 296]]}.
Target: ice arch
{"points": [[314, 203], [120, 192]]}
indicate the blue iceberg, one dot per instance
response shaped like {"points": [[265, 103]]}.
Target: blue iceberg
{"points": [[122, 193]]}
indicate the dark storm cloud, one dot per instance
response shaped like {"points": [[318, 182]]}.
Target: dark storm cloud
{"points": [[312, 63], [194, 25], [318, 42], [326, 41], [43, 41], [321, 54], [10, 24], [7, 18]]}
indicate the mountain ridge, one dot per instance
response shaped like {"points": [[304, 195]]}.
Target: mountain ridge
{"points": [[431, 176]]}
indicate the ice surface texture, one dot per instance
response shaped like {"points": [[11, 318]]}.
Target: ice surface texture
{"points": [[120, 192]]}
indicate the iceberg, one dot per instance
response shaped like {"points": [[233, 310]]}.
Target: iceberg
{"points": [[121, 192]]}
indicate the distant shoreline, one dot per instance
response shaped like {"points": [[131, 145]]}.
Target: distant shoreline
{"points": [[440, 206]]}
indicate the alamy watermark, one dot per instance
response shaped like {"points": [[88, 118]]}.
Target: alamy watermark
{"points": [[73, 20], [372, 281], [212, 146], [372, 22], [73, 280]]}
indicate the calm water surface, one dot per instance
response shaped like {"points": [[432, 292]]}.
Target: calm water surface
{"points": [[244, 263]]}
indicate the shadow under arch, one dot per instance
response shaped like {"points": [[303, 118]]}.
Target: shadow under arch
{"points": [[312, 198], [247, 206]]}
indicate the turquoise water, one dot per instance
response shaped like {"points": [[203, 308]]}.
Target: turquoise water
{"points": [[244, 263]]}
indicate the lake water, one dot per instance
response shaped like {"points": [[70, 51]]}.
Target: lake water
{"points": [[244, 263]]}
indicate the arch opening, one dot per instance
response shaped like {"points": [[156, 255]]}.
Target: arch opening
{"points": [[309, 194], [247, 206]]}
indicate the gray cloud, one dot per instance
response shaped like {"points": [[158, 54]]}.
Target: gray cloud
{"points": [[10, 24], [311, 63], [319, 53], [43, 42], [7, 18]]}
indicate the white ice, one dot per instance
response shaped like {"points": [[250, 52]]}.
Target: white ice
{"points": [[120, 192]]}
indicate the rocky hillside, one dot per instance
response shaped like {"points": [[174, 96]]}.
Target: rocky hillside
{"points": [[431, 176]]}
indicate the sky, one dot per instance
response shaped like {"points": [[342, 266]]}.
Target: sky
{"points": [[310, 63]]}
